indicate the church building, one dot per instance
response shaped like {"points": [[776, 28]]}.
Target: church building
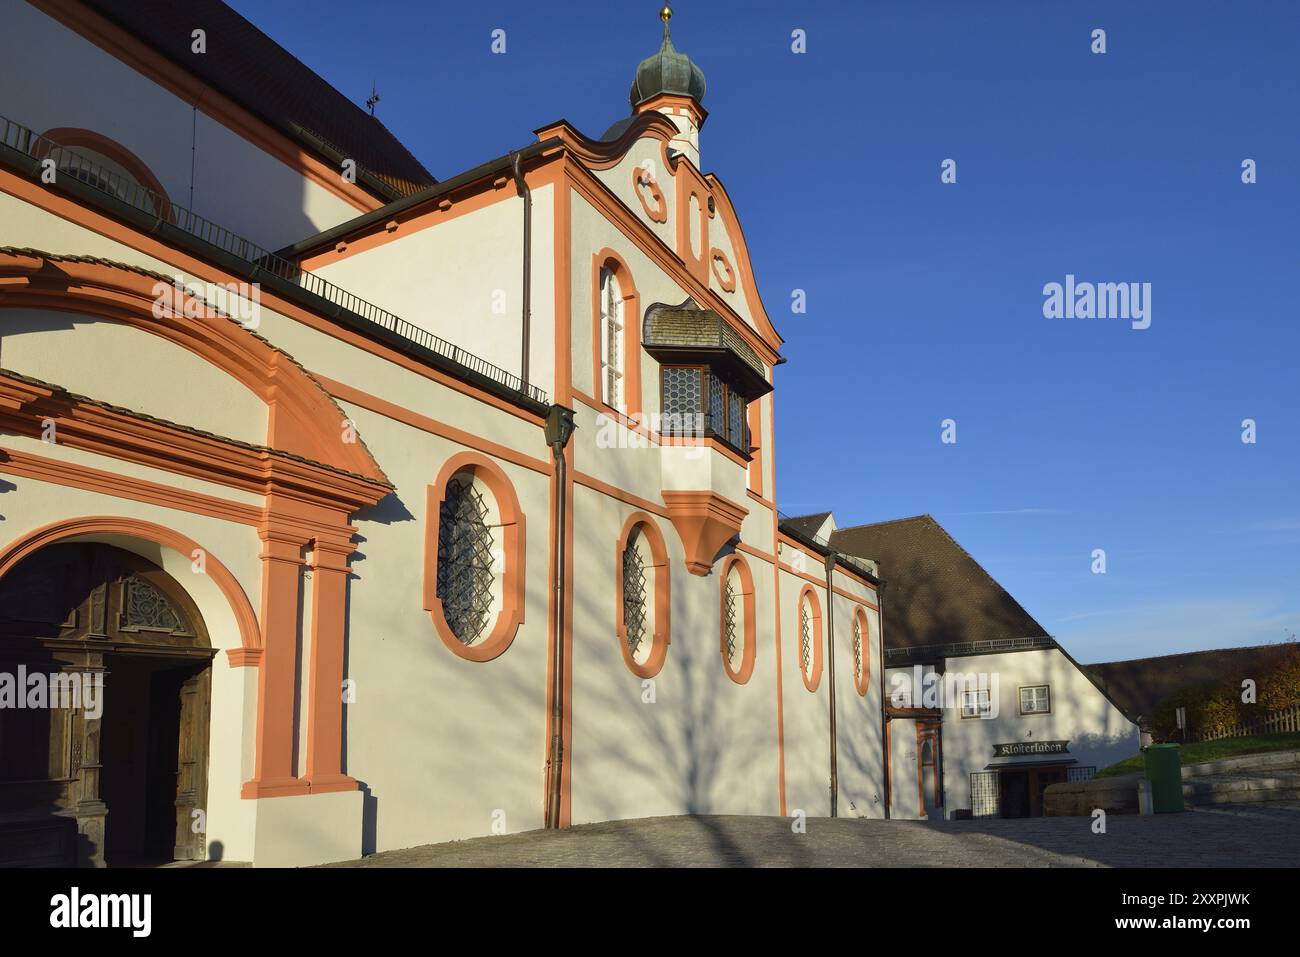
{"points": [[344, 508], [358, 509]]}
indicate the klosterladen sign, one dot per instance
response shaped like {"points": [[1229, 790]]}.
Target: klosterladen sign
{"points": [[1030, 747]]}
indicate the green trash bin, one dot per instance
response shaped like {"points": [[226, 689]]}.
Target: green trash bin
{"points": [[1164, 769]]}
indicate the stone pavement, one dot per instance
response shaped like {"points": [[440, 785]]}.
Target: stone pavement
{"points": [[1240, 836]]}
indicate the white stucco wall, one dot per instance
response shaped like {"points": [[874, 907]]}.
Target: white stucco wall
{"points": [[462, 279], [232, 182]]}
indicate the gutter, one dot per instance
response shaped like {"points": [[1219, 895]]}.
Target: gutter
{"points": [[527, 194], [830, 652], [884, 718], [559, 428]]}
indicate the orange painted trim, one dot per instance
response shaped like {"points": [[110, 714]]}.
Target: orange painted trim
{"points": [[928, 729], [72, 137], [643, 180], [329, 623], [391, 410], [848, 572], [73, 475], [821, 583], [722, 269], [862, 680], [132, 437], [609, 259], [142, 58], [731, 222], [637, 425], [661, 637], [82, 528], [755, 489], [677, 104], [511, 616], [71, 211], [705, 521], [601, 154], [636, 501], [756, 552], [244, 657], [470, 198], [766, 503], [811, 678], [742, 674], [693, 231], [302, 419], [695, 284]]}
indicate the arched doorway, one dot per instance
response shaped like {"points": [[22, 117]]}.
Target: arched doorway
{"points": [[104, 734]]}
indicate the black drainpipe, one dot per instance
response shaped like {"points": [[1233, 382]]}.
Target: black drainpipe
{"points": [[884, 720], [830, 651], [559, 427], [527, 195]]}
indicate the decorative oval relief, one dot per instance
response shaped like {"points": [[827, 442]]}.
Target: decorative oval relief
{"points": [[648, 191], [722, 270]]}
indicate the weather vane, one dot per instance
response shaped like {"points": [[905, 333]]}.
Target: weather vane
{"points": [[374, 98]]}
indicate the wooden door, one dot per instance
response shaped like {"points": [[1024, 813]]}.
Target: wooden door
{"points": [[192, 768]]}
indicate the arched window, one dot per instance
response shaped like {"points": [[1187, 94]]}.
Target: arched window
{"points": [[861, 651], [474, 558], [465, 559], [641, 595], [809, 630], [736, 619], [612, 391]]}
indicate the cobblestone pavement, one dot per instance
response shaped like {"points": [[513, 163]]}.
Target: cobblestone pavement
{"points": [[1231, 835]]}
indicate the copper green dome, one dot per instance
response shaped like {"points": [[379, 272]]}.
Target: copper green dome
{"points": [[667, 72]]}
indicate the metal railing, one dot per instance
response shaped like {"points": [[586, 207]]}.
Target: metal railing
{"points": [[264, 262], [960, 649]]}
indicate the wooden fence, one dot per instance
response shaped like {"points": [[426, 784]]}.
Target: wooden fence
{"points": [[1279, 722]]}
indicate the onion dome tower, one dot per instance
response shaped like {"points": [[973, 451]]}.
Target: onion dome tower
{"points": [[672, 84]]}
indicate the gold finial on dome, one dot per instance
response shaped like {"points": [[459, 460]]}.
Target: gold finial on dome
{"points": [[666, 14]]}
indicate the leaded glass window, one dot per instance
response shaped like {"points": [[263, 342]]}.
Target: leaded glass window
{"points": [[143, 606], [465, 565], [634, 596], [805, 637], [611, 340], [681, 403], [857, 648], [735, 419], [730, 617]]}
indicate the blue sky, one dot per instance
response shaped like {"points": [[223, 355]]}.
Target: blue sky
{"points": [[925, 300]]}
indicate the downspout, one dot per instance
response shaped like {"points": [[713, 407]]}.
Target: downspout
{"points": [[884, 719], [522, 185], [830, 651], [559, 427]]}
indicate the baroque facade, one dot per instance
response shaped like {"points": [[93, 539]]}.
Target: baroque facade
{"points": [[385, 510]]}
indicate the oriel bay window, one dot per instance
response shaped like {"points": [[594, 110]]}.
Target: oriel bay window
{"points": [[708, 374], [697, 401]]}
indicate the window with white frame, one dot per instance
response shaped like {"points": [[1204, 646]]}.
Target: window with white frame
{"points": [[1036, 699], [611, 340], [976, 704]]}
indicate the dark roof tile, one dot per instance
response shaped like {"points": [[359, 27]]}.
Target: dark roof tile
{"points": [[248, 66], [937, 594]]}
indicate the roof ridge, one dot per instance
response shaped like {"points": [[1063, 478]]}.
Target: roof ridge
{"points": [[1201, 651]]}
